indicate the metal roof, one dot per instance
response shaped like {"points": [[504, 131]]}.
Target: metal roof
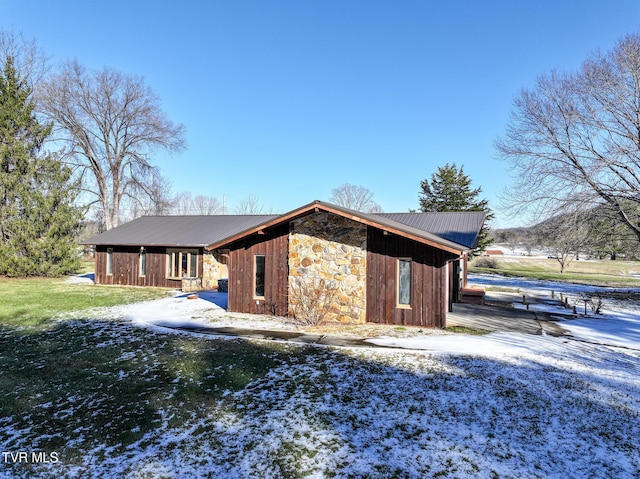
{"points": [[193, 231], [463, 227], [460, 227], [455, 231], [412, 225]]}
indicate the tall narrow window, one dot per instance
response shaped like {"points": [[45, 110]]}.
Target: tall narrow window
{"points": [[143, 261], [193, 265], [258, 278], [110, 261], [404, 282]]}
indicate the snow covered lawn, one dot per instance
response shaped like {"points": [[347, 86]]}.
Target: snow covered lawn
{"points": [[151, 403]]}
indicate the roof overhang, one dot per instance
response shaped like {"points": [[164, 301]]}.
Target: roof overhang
{"points": [[384, 224], [146, 244]]}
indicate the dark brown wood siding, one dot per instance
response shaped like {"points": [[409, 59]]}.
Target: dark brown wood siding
{"points": [[126, 267], [455, 283], [429, 285], [274, 245]]}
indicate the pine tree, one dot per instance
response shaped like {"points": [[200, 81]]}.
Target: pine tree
{"points": [[38, 222], [450, 190]]}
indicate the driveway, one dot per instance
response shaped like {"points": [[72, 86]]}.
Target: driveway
{"points": [[496, 318]]}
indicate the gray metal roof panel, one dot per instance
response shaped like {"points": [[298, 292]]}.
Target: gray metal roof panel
{"points": [[194, 231], [459, 227]]}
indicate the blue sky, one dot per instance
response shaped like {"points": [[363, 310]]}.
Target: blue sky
{"points": [[285, 100]]}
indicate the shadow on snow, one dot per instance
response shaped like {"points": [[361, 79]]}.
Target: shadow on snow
{"points": [[116, 400]]}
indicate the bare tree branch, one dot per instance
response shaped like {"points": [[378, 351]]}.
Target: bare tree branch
{"points": [[354, 197], [250, 205], [25, 54], [186, 204], [112, 124], [573, 140]]}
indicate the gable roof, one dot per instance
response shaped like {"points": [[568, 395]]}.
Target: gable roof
{"points": [[452, 232], [459, 230], [191, 231]]}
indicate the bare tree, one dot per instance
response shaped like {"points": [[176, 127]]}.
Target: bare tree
{"points": [[27, 58], [111, 123], [182, 203], [156, 200], [186, 204], [249, 205], [573, 140], [564, 237], [206, 205], [354, 197]]}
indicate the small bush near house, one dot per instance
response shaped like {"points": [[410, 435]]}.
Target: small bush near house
{"points": [[311, 301]]}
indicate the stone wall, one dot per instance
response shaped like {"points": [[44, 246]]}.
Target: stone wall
{"points": [[327, 254], [214, 267], [191, 285]]}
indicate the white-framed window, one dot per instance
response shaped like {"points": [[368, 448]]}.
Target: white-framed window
{"points": [[110, 261], [403, 281], [143, 262], [258, 276], [182, 263]]}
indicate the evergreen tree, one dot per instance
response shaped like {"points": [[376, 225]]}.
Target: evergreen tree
{"points": [[450, 190], [38, 222]]}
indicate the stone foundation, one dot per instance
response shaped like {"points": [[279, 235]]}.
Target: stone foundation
{"points": [[327, 262], [191, 285]]}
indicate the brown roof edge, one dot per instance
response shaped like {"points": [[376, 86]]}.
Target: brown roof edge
{"points": [[368, 219]]}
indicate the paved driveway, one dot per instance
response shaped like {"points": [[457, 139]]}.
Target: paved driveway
{"points": [[494, 318]]}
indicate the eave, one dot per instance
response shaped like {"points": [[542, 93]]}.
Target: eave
{"points": [[383, 224]]}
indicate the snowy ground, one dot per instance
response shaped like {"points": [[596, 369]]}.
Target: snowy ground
{"points": [[617, 325], [502, 405]]}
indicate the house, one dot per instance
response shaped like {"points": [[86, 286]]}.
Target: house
{"points": [[393, 268], [166, 251]]}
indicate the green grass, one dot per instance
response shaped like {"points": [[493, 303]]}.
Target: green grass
{"points": [[465, 330], [105, 389], [598, 273], [86, 383], [73, 385], [34, 302]]}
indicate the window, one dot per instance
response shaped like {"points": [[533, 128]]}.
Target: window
{"points": [[109, 261], [182, 264], [404, 282], [258, 276], [143, 261]]}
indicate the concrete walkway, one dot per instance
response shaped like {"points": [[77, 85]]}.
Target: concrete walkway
{"points": [[495, 318], [274, 335], [479, 317]]}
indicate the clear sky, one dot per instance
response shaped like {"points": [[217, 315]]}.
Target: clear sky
{"points": [[286, 100]]}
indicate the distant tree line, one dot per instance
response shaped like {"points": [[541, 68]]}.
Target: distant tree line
{"points": [[584, 234]]}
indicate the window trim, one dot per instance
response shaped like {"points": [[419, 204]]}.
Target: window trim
{"points": [[142, 272], [255, 276], [192, 254], [109, 266], [399, 261]]}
